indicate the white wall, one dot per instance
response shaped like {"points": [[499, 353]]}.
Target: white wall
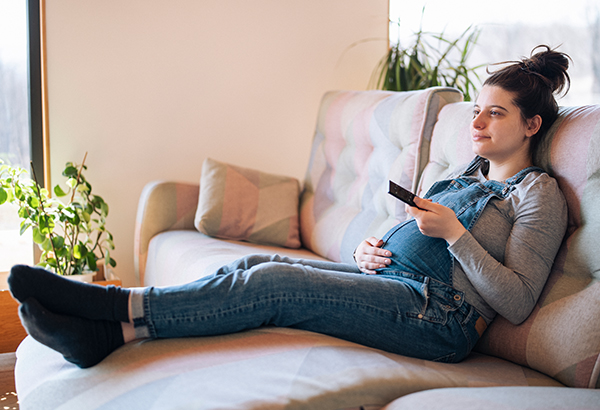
{"points": [[149, 88]]}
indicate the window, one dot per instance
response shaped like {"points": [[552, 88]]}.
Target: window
{"points": [[510, 29], [20, 113]]}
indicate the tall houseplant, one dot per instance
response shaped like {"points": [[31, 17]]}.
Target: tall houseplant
{"points": [[71, 234], [432, 60]]}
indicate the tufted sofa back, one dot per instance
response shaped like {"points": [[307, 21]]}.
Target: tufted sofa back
{"points": [[363, 139]]}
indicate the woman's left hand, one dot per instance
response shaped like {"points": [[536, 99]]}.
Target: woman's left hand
{"points": [[436, 220]]}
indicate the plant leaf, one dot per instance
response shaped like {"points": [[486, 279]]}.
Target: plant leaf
{"points": [[58, 191], [70, 171], [37, 236]]}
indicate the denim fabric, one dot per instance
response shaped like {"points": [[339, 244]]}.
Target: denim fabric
{"points": [[416, 316], [467, 197], [409, 308]]}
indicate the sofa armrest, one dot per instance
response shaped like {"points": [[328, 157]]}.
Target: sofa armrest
{"points": [[163, 206]]}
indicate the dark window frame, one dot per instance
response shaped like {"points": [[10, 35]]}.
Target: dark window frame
{"points": [[35, 86]]}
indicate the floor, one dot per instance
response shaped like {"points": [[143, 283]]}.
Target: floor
{"points": [[8, 397]]}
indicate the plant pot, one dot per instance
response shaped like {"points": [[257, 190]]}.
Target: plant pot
{"points": [[84, 277]]}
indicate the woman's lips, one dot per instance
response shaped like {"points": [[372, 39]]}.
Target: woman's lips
{"points": [[479, 137]]}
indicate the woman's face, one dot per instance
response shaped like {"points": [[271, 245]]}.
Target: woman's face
{"points": [[498, 131]]}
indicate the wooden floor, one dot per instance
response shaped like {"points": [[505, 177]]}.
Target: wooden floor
{"points": [[8, 395]]}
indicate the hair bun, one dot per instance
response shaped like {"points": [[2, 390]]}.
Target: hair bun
{"points": [[551, 66]]}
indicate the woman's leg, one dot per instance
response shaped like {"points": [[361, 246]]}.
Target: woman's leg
{"points": [[384, 312], [372, 310]]}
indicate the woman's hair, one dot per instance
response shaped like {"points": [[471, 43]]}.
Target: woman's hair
{"points": [[533, 81]]}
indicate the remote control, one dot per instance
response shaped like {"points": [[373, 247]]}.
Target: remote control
{"points": [[402, 194]]}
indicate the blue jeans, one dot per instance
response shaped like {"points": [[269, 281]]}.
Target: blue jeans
{"points": [[407, 314]]}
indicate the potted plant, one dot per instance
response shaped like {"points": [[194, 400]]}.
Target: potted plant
{"points": [[432, 60], [71, 234]]}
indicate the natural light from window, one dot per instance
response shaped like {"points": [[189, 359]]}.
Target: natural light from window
{"points": [[14, 124], [511, 28]]}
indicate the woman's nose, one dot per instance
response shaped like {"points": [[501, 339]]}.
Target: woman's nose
{"points": [[477, 121]]}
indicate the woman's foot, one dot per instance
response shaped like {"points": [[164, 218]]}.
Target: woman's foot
{"points": [[83, 342], [69, 297]]}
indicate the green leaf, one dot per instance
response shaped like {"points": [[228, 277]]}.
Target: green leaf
{"points": [[70, 171], [33, 202], [79, 251], [47, 245], [3, 195], [46, 224], [58, 242], [59, 192], [72, 182], [19, 193], [37, 236], [91, 261], [112, 262], [24, 226]]}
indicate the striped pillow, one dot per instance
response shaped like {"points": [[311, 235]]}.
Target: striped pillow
{"points": [[248, 205]]}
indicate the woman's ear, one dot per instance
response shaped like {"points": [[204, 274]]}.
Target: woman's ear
{"points": [[533, 125]]}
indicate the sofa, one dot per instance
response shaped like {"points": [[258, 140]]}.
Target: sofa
{"points": [[362, 140]]}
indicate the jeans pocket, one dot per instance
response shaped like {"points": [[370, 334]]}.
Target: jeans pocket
{"points": [[437, 304]]}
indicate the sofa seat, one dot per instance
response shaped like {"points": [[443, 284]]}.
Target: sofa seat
{"points": [[182, 256], [267, 368]]}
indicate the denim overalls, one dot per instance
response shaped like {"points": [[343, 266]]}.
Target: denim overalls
{"points": [[409, 308], [425, 262]]}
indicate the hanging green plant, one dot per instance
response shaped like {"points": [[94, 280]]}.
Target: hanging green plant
{"points": [[71, 234], [432, 60]]}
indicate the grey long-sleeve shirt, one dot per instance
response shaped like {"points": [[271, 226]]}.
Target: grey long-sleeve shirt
{"points": [[504, 262]]}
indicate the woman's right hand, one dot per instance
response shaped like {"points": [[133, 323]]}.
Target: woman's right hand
{"points": [[369, 255]]}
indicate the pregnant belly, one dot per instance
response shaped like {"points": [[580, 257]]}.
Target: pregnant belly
{"points": [[417, 253]]}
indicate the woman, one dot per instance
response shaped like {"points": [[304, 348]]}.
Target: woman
{"points": [[480, 244]]}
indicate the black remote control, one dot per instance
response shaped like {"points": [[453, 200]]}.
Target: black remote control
{"points": [[402, 194]]}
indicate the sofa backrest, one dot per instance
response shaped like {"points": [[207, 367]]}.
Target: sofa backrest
{"points": [[363, 139], [561, 338]]}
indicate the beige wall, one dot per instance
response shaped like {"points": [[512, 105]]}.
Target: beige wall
{"points": [[149, 88]]}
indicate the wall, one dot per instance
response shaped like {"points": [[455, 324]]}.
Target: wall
{"points": [[149, 88]]}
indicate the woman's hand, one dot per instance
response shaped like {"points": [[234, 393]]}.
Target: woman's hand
{"points": [[369, 255], [436, 220]]}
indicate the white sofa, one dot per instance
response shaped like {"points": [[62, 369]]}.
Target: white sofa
{"points": [[362, 140]]}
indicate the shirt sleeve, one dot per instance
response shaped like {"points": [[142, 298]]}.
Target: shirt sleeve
{"points": [[513, 286]]}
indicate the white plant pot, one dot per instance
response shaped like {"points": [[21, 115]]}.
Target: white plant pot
{"points": [[84, 277]]}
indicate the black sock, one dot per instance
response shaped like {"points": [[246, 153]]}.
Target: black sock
{"points": [[69, 297], [83, 342]]}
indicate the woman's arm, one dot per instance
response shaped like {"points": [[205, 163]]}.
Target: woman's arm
{"points": [[513, 286]]}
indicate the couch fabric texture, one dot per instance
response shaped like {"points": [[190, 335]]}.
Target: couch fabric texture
{"points": [[362, 140]]}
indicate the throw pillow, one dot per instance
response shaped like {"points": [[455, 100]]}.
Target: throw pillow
{"points": [[248, 205]]}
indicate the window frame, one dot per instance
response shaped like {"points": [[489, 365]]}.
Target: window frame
{"points": [[38, 118]]}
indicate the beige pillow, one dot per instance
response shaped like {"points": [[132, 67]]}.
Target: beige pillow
{"points": [[248, 205]]}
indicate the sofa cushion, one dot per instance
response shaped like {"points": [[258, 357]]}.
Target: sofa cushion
{"points": [[182, 256], [561, 336], [245, 204], [362, 140]]}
